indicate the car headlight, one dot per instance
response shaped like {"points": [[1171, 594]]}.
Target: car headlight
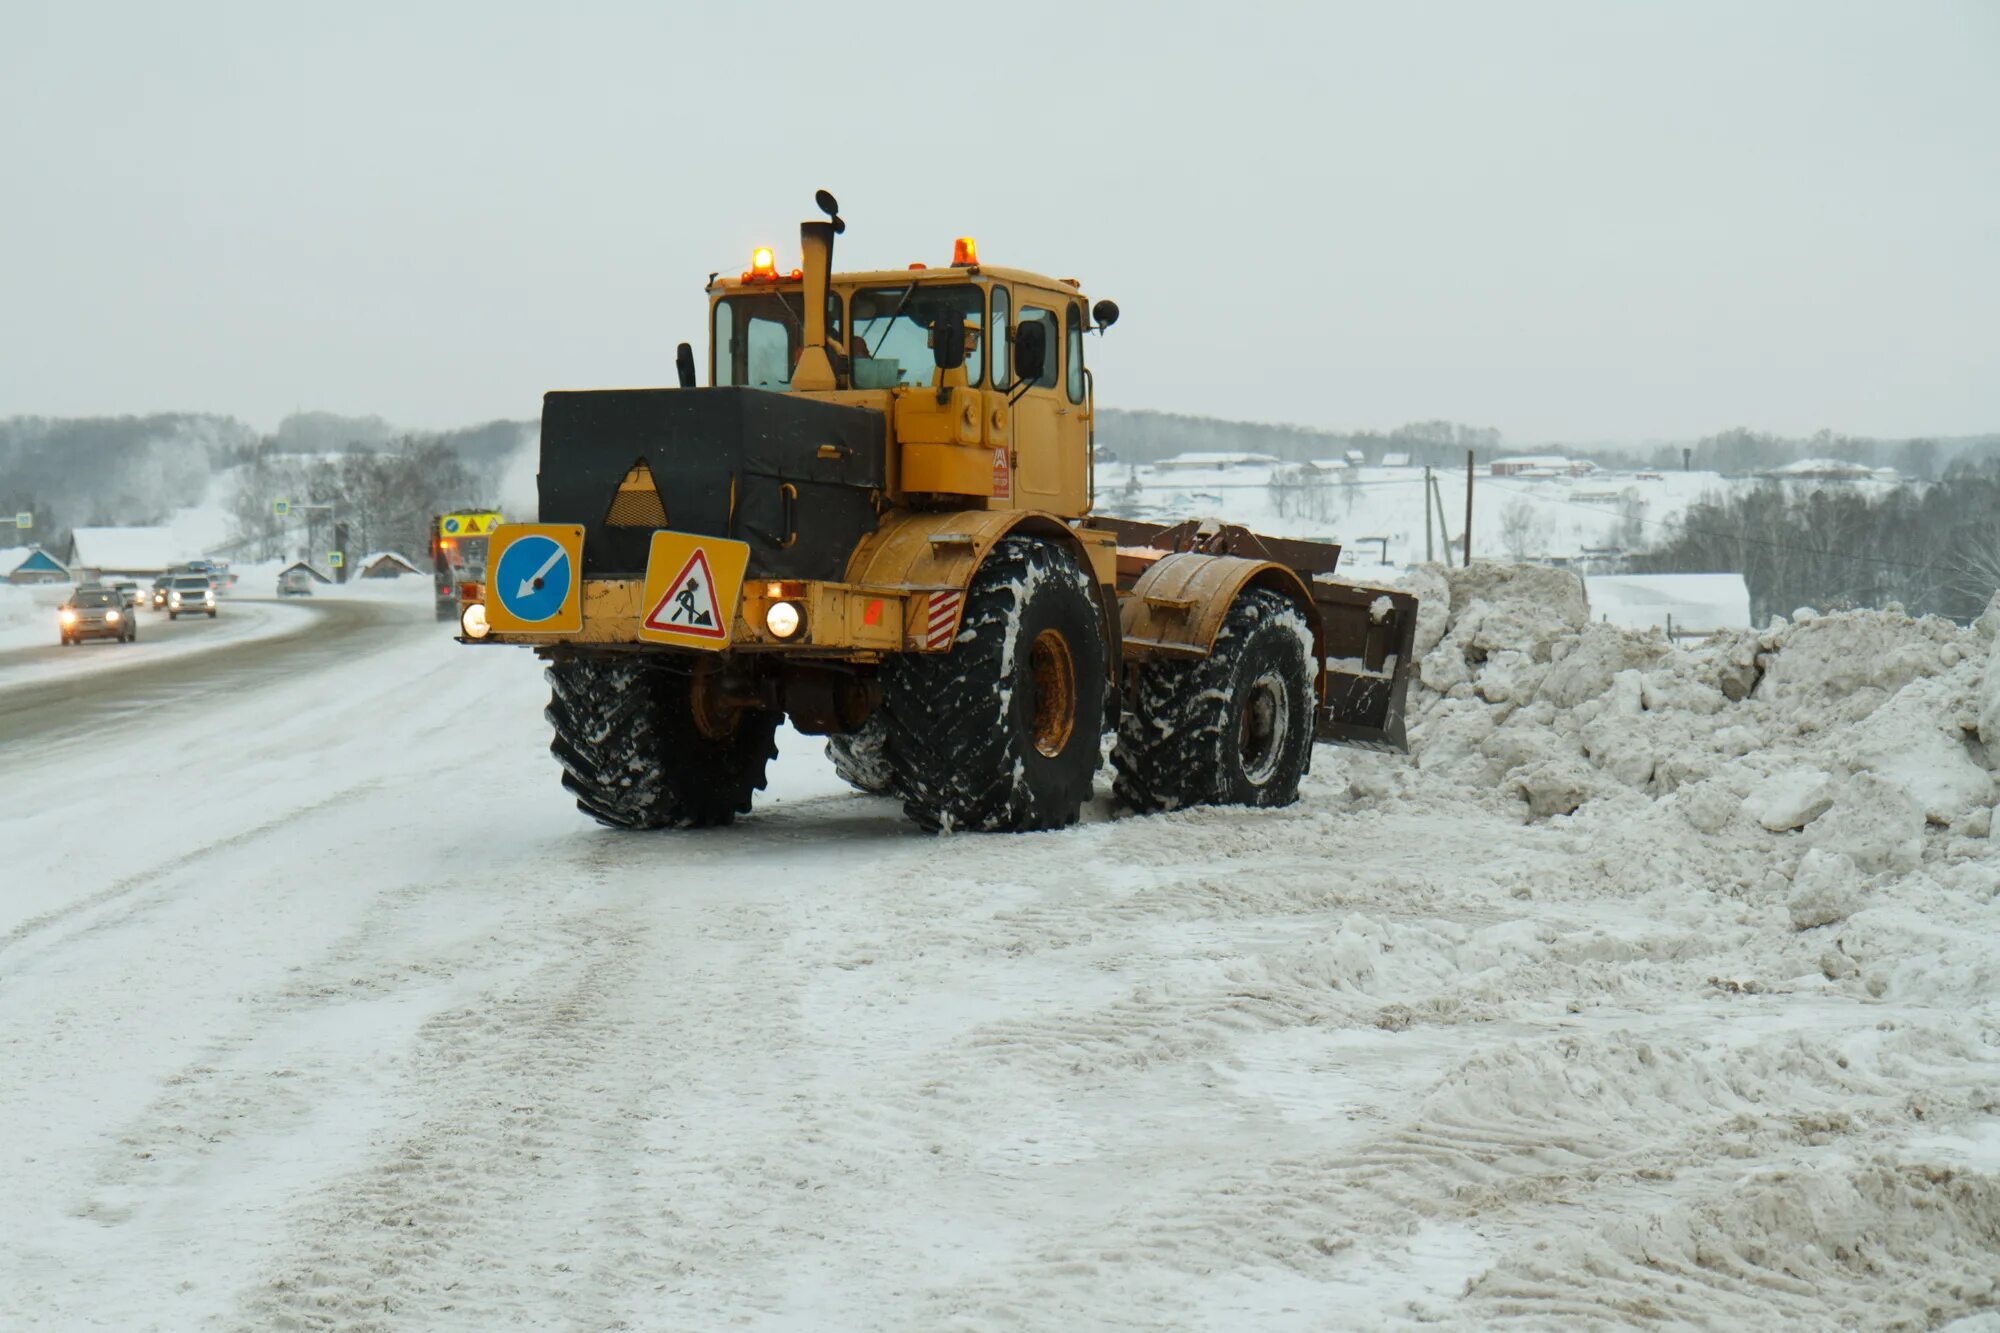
{"points": [[783, 619], [110, 617], [67, 616], [473, 620], [208, 597]]}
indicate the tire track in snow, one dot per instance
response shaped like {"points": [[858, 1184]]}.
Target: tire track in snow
{"points": [[83, 912]]}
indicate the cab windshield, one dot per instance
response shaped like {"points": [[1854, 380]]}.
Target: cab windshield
{"points": [[758, 336], [95, 599], [892, 332]]}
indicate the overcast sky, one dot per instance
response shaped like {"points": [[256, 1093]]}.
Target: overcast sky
{"points": [[1573, 221]]}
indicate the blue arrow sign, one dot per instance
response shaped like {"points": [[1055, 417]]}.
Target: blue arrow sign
{"points": [[533, 578]]}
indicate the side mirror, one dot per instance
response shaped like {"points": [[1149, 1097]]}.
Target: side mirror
{"points": [[1031, 351], [684, 363], [1104, 314], [948, 342]]}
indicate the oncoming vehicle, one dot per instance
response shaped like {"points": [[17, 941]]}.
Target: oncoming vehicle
{"points": [[96, 612], [128, 590], [295, 583], [190, 595], [875, 522], [159, 594], [458, 556]]}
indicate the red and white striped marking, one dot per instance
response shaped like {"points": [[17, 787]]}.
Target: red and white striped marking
{"points": [[942, 619]]}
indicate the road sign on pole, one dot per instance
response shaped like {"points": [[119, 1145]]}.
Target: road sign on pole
{"points": [[280, 508], [24, 520], [336, 558]]}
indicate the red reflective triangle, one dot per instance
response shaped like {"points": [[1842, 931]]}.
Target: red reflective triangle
{"points": [[689, 606]]}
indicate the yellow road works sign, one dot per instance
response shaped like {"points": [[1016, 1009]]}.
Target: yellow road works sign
{"points": [[534, 578], [468, 525], [691, 588]]}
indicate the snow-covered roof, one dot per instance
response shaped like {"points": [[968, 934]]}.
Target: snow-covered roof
{"points": [[1698, 603], [18, 558], [1534, 460], [1201, 459], [1328, 464], [374, 558], [1822, 467], [308, 568], [127, 550], [1395, 460]]}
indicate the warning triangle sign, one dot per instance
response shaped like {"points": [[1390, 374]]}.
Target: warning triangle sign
{"points": [[690, 605]]}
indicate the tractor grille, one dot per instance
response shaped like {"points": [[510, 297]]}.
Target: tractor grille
{"points": [[796, 479]]}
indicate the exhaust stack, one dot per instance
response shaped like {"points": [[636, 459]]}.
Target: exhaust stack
{"points": [[815, 368]]}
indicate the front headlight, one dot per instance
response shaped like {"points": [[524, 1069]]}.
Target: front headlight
{"points": [[209, 597], [783, 619], [110, 617], [473, 620], [67, 616]]}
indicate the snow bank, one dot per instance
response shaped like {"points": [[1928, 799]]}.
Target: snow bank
{"points": [[1864, 710]]}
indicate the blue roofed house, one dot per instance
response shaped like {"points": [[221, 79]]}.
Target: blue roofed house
{"points": [[31, 564]]}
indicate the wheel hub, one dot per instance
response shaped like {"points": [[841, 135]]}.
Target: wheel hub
{"points": [[1263, 727], [1052, 672]]}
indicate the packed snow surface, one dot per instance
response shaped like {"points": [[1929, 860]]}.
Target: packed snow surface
{"points": [[1657, 987]]}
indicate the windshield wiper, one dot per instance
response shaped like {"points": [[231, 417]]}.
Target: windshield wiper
{"points": [[908, 292]]}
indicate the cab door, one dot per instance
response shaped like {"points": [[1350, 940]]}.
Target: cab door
{"points": [[1043, 416]]}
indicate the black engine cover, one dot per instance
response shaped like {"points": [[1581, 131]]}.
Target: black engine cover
{"points": [[720, 458]]}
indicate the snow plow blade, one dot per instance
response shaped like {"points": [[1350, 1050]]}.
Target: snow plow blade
{"points": [[1367, 636]]}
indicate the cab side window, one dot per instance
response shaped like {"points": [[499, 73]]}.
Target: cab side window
{"points": [[1031, 314], [1073, 352], [1003, 378]]}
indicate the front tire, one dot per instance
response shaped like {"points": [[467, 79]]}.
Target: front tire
{"points": [[634, 755], [1232, 728], [1001, 733]]}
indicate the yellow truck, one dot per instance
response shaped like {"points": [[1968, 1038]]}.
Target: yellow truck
{"points": [[875, 521]]}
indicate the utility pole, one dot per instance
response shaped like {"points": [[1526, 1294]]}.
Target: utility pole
{"points": [[1428, 557], [1467, 561], [1436, 497]]}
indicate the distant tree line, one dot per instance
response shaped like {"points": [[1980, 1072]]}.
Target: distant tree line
{"points": [[383, 496], [1147, 437], [1933, 548], [137, 470]]}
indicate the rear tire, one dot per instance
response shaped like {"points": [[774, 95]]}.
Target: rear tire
{"points": [[1232, 728], [633, 756], [1001, 733], [861, 757]]}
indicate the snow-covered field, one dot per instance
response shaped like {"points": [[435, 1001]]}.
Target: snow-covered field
{"points": [[1378, 513], [1657, 987]]}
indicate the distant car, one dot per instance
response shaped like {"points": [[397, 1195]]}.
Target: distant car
{"points": [[190, 594], [160, 586], [94, 611], [295, 583], [127, 589]]}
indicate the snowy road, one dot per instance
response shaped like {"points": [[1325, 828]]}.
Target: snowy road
{"points": [[341, 1017], [49, 691]]}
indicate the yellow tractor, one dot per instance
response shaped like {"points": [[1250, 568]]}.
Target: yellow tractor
{"points": [[875, 521]]}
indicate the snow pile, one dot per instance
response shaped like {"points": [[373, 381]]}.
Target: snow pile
{"points": [[1861, 728]]}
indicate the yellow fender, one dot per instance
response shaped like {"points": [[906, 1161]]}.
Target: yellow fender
{"points": [[933, 552], [1178, 605]]}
